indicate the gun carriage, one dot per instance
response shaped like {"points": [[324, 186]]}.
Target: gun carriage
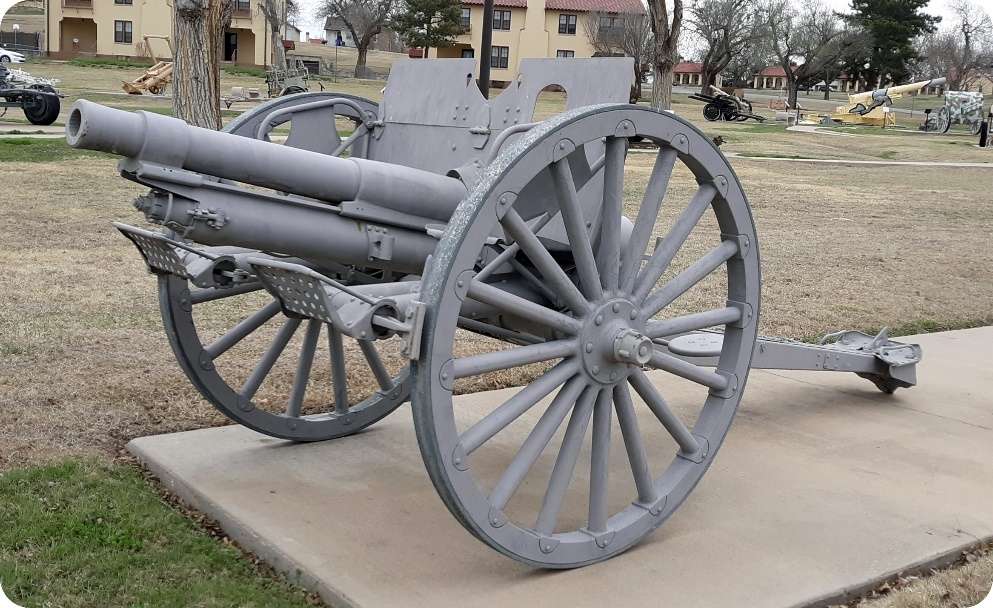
{"points": [[724, 106], [37, 97], [442, 213]]}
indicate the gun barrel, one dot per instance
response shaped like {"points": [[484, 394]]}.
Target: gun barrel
{"points": [[171, 142]]}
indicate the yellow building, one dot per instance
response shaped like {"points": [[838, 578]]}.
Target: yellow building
{"points": [[117, 28], [524, 29]]}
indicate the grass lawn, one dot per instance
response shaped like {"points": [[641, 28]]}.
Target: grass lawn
{"points": [[84, 364], [87, 533]]}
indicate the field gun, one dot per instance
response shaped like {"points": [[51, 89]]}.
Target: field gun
{"points": [[725, 106], [406, 226], [872, 107]]}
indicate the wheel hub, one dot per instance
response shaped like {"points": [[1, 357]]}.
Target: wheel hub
{"points": [[612, 341]]}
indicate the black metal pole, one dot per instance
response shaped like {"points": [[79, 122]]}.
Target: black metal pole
{"points": [[486, 49]]}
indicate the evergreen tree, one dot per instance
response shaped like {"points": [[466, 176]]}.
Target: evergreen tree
{"points": [[429, 23], [892, 26]]}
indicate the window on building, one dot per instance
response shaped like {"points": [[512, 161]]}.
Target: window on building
{"points": [[501, 20], [123, 1], [243, 6], [468, 53], [610, 21], [500, 58], [565, 54], [567, 24], [122, 32], [466, 14]]}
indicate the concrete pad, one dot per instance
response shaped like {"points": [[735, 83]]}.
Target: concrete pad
{"points": [[824, 486]]}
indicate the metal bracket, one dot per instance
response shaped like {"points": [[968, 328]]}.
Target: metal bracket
{"points": [[415, 319], [380, 242]]}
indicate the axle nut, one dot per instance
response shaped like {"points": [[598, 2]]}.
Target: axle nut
{"points": [[632, 347]]}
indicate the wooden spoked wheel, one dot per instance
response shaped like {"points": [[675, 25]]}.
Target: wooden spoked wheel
{"points": [[502, 472], [248, 337]]}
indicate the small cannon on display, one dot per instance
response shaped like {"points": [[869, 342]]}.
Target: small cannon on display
{"points": [[724, 106], [36, 96], [442, 216], [961, 108]]}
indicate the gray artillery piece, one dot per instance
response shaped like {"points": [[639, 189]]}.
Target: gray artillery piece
{"points": [[440, 214]]}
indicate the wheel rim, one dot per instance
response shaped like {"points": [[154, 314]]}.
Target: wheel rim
{"points": [[595, 375], [232, 393]]}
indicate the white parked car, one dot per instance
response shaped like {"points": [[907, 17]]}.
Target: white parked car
{"points": [[8, 56]]}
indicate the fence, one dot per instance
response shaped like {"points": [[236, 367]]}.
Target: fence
{"points": [[22, 42]]}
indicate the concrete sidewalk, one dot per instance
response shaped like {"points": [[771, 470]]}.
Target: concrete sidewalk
{"points": [[823, 486]]}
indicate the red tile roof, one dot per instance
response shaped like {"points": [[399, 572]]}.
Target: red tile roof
{"points": [[688, 67], [578, 6], [773, 70]]}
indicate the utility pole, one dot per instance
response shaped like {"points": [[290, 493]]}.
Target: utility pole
{"points": [[486, 50]]}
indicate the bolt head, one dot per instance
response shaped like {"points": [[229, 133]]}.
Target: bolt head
{"points": [[589, 347], [598, 320], [596, 369], [616, 307]]}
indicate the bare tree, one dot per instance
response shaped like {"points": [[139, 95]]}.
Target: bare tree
{"points": [[198, 32], [806, 42], [275, 13], [630, 35], [726, 29], [665, 38], [364, 20], [963, 52]]}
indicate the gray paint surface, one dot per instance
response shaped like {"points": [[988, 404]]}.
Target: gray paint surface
{"points": [[824, 485]]}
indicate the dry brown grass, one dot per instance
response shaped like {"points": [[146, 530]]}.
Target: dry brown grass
{"points": [[961, 586]]}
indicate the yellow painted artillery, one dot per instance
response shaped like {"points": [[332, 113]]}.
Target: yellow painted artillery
{"points": [[872, 107]]}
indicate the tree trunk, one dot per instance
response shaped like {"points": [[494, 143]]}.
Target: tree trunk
{"points": [[792, 90], [662, 87], [707, 78], [278, 51], [362, 50], [198, 33]]}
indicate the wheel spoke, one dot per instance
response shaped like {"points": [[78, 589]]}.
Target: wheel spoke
{"points": [[690, 276], [685, 369], [658, 184], [238, 333], [575, 227], [535, 443], [513, 408], [511, 250], [534, 281], [549, 268], [376, 365], [637, 458], [199, 296], [269, 358], [609, 252], [600, 462], [513, 357], [700, 320], [666, 251], [339, 378], [688, 444], [565, 462], [516, 305], [304, 366]]}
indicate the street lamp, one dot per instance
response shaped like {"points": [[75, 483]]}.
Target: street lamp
{"points": [[15, 27]]}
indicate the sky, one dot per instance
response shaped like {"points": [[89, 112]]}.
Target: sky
{"points": [[315, 26]]}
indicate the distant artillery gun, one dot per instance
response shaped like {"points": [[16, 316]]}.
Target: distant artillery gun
{"points": [[724, 106], [454, 213], [36, 96], [872, 107], [961, 108], [290, 81], [156, 79]]}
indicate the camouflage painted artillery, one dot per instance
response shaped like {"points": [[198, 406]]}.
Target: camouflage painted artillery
{"points": [[453, 213], [961, 108]]}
